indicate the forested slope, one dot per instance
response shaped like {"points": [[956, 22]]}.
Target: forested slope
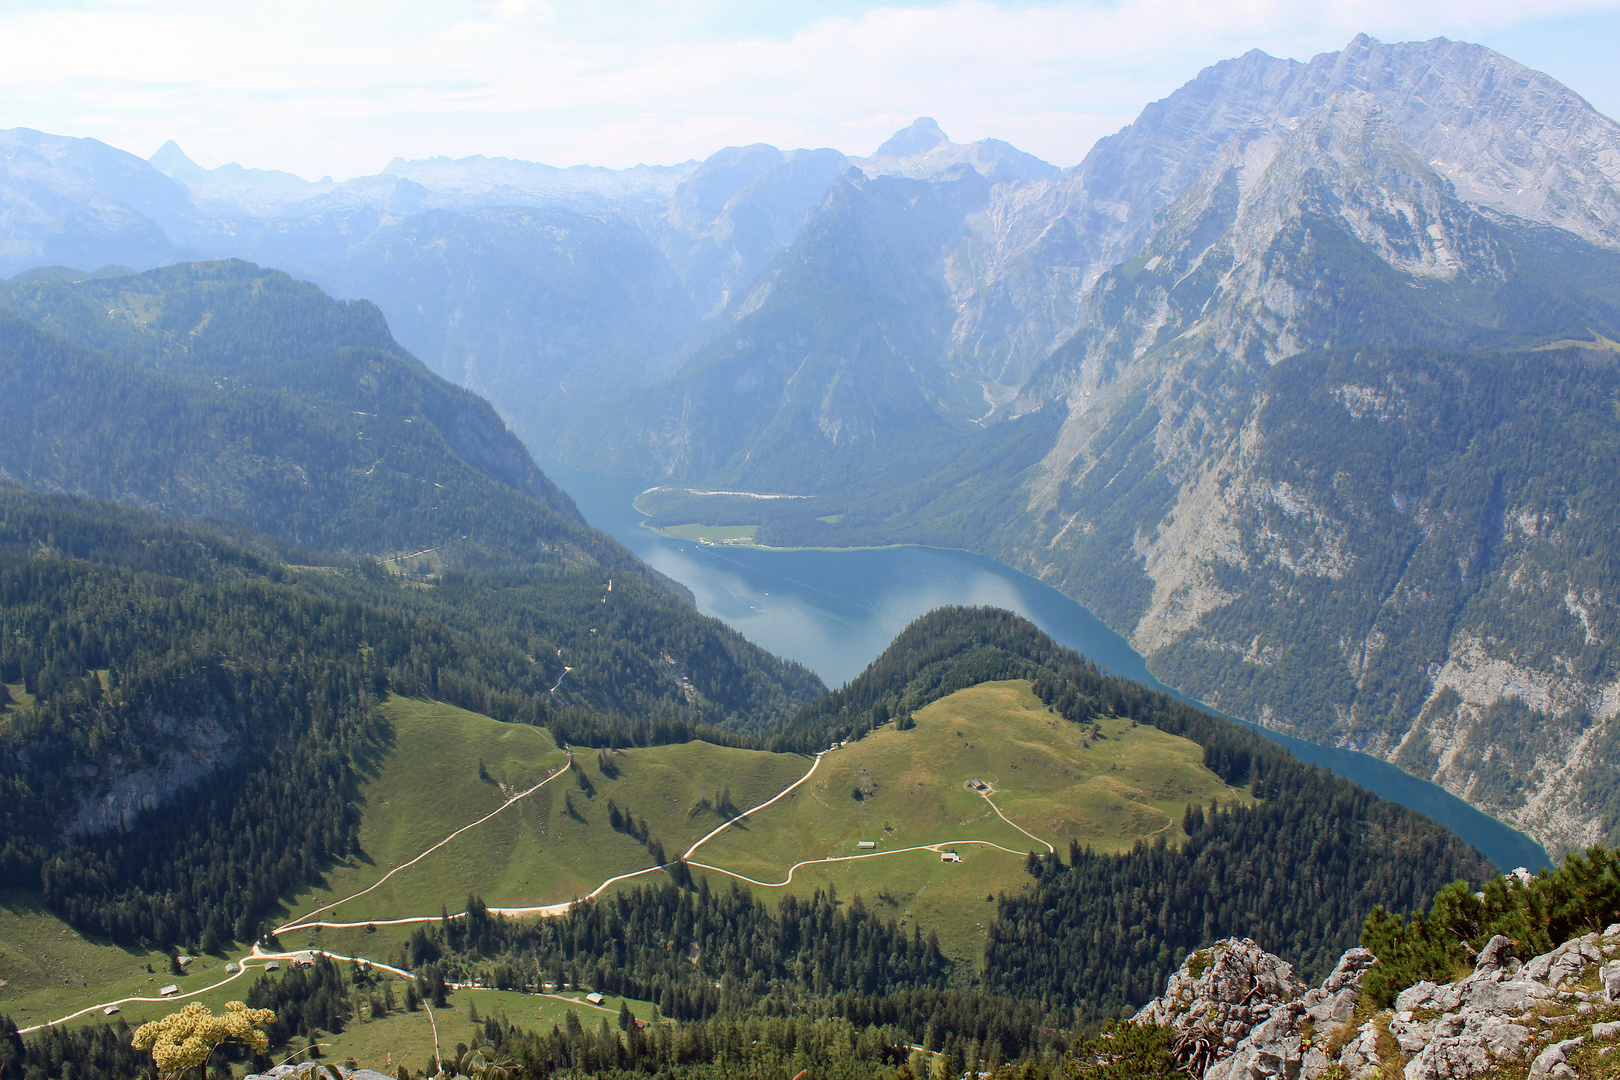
{"points": [[222, 390], [163, 659]]}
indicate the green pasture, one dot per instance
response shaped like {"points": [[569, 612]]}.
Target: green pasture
{"points": [[910, 789], [534, 852], [406, 1037], [447, 768], [48, 969]]}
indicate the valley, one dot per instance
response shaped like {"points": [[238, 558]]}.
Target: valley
{"points": [[436, 818], [786, 613], [834, 610]]}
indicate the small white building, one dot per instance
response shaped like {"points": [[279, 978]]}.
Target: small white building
{"points": [[866, 843], [169, 991], [111, 1010], [274, 965], [949, 856], [594, 998]]}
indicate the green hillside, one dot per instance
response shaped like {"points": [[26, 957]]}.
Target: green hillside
{"points": [[535, 853], [424, 785], [50, 969], [1104, 787], [223, 390], [1212, 829], [1049, 774], [152, 655], [226, 392]]}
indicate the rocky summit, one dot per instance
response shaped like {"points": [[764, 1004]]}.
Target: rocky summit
{"points": [[1238, 1013]]}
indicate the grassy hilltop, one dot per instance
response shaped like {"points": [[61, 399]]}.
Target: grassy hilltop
{"points": [[1105, 787]]}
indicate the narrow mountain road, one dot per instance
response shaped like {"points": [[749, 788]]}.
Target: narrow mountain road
{"points": [[985, 795], [742, 816], [258, 956], [851, 858], [306, 921]]}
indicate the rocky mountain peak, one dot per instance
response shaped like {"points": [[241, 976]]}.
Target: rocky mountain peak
{"points": [[1505, 135], [173, 162], [922, 136]]}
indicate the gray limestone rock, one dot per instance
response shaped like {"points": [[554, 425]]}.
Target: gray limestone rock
{"points": [[1569, 959], [1259, 1020], [1499, 996], [1273, 1048], [1235, 985], [1247, 1004], [1496, 955], [1413, 1035], [1468, 1044], [1553, 1060], [1428, 995], [1335, 1000], [1361, 1053]]}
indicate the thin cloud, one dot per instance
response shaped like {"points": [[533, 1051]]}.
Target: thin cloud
{"points": [[340, 89]]}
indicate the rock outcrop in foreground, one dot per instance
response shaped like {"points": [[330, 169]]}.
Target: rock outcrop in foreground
{"points": [[1239, 1014]]}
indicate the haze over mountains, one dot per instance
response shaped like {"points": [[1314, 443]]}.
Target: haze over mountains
{"points": [[314, 688], [1303, 380]]}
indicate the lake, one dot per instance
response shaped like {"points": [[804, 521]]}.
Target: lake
{"points": [[835, 611]]}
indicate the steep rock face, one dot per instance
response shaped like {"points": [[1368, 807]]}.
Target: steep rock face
{"points": [[180, 753], [1506, 137], [1402, 553], [78, 202], [1365, 539], [1269, 252], [736, 212]]}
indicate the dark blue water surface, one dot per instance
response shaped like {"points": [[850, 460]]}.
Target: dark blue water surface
{"points": [[835, 611]]}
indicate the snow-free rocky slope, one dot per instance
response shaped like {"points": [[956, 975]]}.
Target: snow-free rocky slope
{"points": [[1332, 429], [1239, 1013], [1310, 394]]}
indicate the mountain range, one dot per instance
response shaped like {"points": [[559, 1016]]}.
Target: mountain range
{"points": [[1308, 381], [1303, 381]]}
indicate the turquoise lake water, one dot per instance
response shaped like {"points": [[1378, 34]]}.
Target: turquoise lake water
{"points": [[835, 611]]}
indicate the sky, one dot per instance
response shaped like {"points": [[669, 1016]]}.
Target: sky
{"points": [[321, 88]]}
